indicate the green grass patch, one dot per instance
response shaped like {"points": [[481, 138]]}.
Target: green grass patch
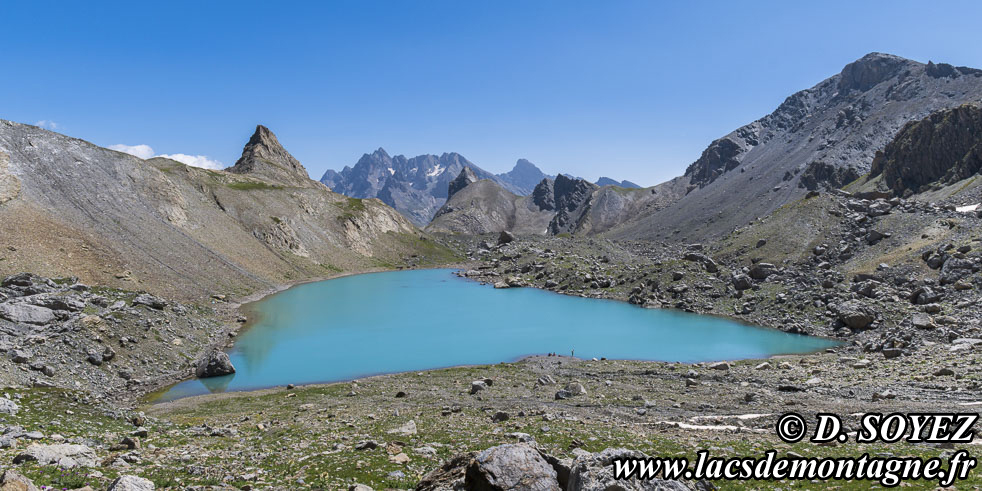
{"points": [[354, 205], [250, 186]]}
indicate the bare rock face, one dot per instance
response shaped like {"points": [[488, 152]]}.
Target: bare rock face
{"points": [[945, 146], [465, 177], [265, 158], [719, 157], [819, 174], [9, 184], [543, 195], [215, 364], [572, 197], [510, 467], [868, 71]]}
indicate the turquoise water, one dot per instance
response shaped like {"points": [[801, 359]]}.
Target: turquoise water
{"points": [[369, 324]]}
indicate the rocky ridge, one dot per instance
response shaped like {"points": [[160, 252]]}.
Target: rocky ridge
{"points": [[825, 134], [941, 149], [564, 205]]}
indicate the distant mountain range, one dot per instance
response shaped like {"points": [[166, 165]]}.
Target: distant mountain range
{"points": [[417, 186], [820, 138]]}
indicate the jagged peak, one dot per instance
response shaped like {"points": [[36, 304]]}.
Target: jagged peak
{"points": [[524, 163], [463, 179], [262, 141], [264, 157]]}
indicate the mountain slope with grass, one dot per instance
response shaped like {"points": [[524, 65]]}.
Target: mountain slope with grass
{"points": [[71, 208]]}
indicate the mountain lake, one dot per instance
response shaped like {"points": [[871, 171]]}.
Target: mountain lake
{"points": [[376, 323]]}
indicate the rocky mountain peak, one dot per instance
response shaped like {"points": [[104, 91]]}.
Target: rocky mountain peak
{"points": [[264, 157], [870, 70], [524, 164], [821, 137], [522, 178], [570, 192], [465, 177], [572, 197]]}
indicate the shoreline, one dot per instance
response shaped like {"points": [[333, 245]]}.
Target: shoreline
{"points": [[226, 337], [254, 298]]}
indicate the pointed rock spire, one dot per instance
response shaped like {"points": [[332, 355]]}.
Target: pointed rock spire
{"points": [[465, 177], [264, 158]]}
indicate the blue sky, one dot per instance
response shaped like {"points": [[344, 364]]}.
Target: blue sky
{"points": [[631, 90]]}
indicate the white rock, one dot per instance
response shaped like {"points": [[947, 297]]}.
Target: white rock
{"points": [[131, 483]]}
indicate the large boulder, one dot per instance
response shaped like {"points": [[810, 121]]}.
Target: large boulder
{"points": [[12, 480], [707, 262], [21, 355], [595, 472], [761, 271], [131, 483], [63, 455], [856, 315], [19, 279], [955, 269], [925, 295], [522, 467], [215, 364], [150, 301], [71, 303], [515, 466], [447, 477], [741, 282], [26, 314], [8, 406]]}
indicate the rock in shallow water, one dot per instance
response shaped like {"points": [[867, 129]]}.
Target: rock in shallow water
{"points": [[214, 364]]}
